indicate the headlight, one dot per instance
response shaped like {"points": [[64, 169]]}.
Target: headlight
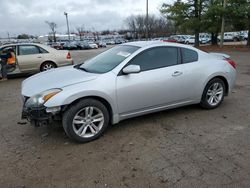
{"points": [[38, 100]]}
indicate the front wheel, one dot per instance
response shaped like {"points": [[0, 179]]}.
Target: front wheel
{"points": [[86, 120], [213, 94]]}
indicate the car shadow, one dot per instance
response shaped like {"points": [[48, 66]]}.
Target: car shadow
{"points": [[55, 132], [20, 75]]}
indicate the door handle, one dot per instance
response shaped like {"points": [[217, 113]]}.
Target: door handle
{"points": [[39, 57], [177, 73]]}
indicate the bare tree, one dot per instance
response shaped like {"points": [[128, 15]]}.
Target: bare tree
{"points": [[80, 31], [131, 23], [157, 26], [52, 26]]}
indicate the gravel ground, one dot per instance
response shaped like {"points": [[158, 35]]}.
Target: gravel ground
{"points": [[184, 147]]}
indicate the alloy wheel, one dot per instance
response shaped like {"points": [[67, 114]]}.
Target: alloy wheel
{"points": [[48, 66], [215, 94], [88, 122]]}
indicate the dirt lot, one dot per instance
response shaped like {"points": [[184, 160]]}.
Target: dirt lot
{"points": [[185, 147]]}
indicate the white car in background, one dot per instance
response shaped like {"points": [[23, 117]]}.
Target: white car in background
{"points": [[244, 36], [230, 36], [31, 57], [190, 40], [92, 45], [205, 39], [179, 38]]}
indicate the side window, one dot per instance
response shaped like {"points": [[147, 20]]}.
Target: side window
{"points": [[188, 55], [43, 51], [8, 48], [28, 50], [156, 58]]}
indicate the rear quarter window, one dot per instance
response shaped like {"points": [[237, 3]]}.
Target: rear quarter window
{"points": [[43, 51], [188, 56]]}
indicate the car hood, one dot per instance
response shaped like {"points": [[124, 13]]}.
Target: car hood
{"points": [[55, 78]]}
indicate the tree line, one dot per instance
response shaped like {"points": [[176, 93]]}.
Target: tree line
{"points": [[197, 16], [194, 17]]}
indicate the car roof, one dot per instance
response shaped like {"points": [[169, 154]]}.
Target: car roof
{"points": [[17, 44], [46, 47], [141, 44], [146, 44]]}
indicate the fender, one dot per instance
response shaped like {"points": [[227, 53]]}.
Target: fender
{"points": [[217, 74], [74, 92]]}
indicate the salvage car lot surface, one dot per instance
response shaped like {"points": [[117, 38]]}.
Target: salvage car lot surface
{"points": [[185, 147]]}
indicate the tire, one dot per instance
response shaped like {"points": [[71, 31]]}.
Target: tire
{"points": [[212, 97], [47, 66], [81, 127]]}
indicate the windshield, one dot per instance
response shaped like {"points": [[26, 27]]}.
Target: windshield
{"points": [[109, 59]]}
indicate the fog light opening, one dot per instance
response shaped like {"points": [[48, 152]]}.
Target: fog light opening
{"points": [[53, 110]]}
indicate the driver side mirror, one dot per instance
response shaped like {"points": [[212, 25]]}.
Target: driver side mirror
{"points": [[131, 69]]}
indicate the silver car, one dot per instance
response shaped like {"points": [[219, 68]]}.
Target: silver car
{"points": [[31, 57], [128, 80]]}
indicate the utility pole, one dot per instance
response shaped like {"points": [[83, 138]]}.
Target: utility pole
{"points": [[8, 36], [223, 24], [147, 34], [66, 14]]}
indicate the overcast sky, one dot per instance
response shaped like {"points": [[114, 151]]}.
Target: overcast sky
{"points": [[28, 16]]}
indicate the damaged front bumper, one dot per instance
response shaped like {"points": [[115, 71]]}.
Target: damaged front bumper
{"points": [[40, 116], [37, 116]]}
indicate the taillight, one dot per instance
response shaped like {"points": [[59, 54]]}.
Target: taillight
{"points": [[231, 62], [68, 56]]}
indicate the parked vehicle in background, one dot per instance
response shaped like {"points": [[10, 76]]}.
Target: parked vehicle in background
{"points": [[110, 42], [126, 81], [169, 39], [101, 44], [158, 39], [57, 45], [70, 46], [179, 38], [190, 40], [205, 40], [33, 58], [244, 35], [119, 41], [231, 36], [82, 45], [92, 45]]}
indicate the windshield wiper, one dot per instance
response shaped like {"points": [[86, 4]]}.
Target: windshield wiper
{"points": [[81, 68]]}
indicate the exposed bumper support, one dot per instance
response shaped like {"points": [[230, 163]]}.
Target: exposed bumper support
{"points": [[37, 116]]}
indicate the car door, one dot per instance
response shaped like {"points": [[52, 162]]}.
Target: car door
{"points": [[161, 81], [194, 73], [29, 57], [15, 67]]}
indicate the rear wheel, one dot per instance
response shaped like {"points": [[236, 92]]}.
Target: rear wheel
{"points": [[213, 94], [86, 120], [47, 66]]}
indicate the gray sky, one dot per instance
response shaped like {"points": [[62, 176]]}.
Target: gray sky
{"points": [[28, 16]]}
